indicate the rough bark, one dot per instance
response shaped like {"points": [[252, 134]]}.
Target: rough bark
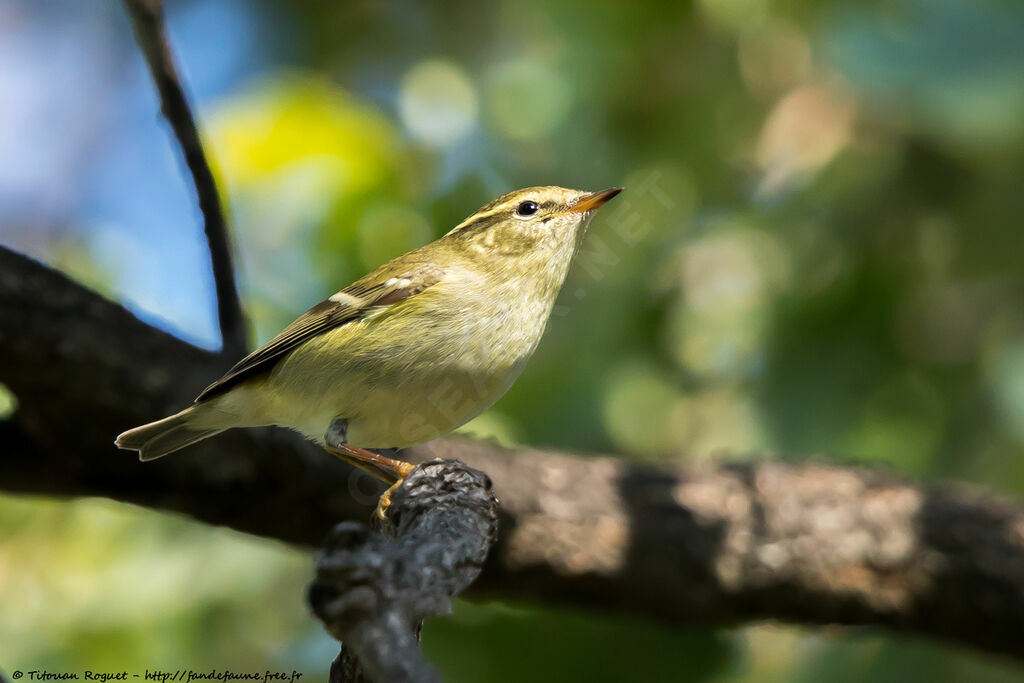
{"points": [[373, 592], [711, 544]]}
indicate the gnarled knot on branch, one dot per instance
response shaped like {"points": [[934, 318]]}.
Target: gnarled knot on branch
{"points": [[373, 588]]}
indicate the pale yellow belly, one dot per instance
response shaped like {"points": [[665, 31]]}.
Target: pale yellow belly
{"points": [[422, 409], [397, 379], [381, 411]]}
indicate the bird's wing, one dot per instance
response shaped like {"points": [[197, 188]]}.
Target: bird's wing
{"points": [[351, 303]]}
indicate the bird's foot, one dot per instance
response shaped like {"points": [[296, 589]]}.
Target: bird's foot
{"points": [[389, 470], [385, 498]]}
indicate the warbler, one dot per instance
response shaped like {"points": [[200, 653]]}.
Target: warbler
{"points": [[414, 349]]}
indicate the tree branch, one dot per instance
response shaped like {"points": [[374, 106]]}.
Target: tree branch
{"points": [[147, 17], [709, 544], [372, 593]]}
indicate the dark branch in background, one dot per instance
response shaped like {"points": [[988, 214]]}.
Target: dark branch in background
{"points": [[372, 593], [711, 544], [147, 19]]}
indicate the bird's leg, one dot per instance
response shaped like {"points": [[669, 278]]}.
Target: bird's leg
{"points": [[388, 470]]}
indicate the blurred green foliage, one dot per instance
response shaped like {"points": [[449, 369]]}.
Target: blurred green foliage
{"points": [[818, 251]]}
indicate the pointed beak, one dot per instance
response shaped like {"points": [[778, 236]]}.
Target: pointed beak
{"points": [[594, 200]]}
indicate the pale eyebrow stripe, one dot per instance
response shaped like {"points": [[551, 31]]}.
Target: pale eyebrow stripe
{"points": [[476, 219]]}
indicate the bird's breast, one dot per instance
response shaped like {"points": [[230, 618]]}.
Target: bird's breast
{"points": [[416, 370]]}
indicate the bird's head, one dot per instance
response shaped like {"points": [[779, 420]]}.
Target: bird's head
{"points": [[539, 222]]}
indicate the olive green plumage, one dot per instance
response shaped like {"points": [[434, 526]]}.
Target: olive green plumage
{"points": [[412, 350]]}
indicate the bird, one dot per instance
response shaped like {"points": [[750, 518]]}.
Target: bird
{"points": [[410, 351]]}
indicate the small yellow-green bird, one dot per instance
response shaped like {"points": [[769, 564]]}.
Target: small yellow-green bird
{"points": [[412, 350]]}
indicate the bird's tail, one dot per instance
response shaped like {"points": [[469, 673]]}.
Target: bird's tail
{"points": [[157, 439]]}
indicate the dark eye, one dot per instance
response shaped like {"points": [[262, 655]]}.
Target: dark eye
{"points": [[527, 209]]}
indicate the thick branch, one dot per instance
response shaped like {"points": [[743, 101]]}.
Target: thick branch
{"points": [[373, 593], [147, 18], [710, 544]]}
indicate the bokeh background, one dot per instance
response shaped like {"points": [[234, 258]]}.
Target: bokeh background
{"points": [[819, 252]]}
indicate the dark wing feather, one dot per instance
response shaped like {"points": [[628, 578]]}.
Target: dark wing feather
{"points": [[372, 291]]}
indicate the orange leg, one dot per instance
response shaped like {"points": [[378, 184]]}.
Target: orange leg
{"points": [[384, 468], [388, 470]]}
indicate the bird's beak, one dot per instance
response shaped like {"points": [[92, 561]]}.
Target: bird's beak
{"points": [[594, 200]]}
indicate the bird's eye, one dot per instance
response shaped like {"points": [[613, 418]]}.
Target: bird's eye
{"points": [[527, 209]]}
